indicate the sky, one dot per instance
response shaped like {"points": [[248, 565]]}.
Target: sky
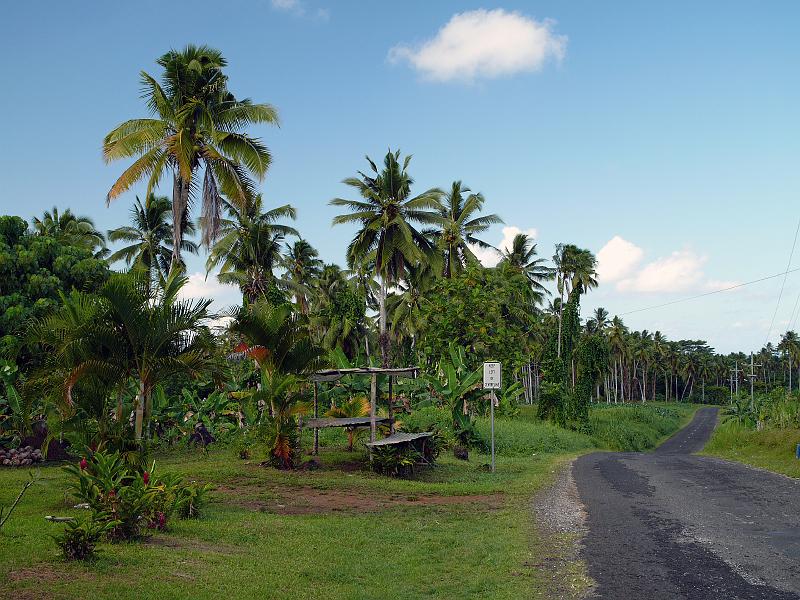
{"points": [[664, 137]]}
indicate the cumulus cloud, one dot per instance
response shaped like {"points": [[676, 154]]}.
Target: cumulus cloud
{"points": [[490, 257], [484, 44], [621, 262], [679, 272], [617, 259], [222, 295]]}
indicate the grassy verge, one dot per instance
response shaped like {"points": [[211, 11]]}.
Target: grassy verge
{"points": [[456, 531], [771, 449]]}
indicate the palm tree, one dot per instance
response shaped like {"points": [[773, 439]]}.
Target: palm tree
{"points": [[281, 347], [252, 268], [387, 237], [599, 320], [303, 268], [405, 308], [239, 222], [126, 330], [459, 227], [71, 229], [335, 318], [196, 127], [575, 272], [521, 257], [149, 237]]}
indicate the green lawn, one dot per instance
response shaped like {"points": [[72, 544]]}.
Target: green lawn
{"points": [[339, 532], [771, 449]]}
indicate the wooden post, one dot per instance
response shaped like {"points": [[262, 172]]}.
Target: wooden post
{"points": [[391, 406], [373, 399], [316, 415]]}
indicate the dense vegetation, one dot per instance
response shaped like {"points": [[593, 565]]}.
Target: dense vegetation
{"points": [[106, 364]]}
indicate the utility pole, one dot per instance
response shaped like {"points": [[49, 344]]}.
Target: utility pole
{"points": [[752, 376], [735, 379]]}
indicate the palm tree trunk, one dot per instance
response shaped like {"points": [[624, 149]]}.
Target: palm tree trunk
{"points": [[180, 202], [139, 412], [384, 336]]}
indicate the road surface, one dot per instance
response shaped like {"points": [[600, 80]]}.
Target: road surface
{"points": [[667, 524]]}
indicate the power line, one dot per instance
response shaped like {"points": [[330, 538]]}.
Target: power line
{"points": [[727, 289], [783, 283]]}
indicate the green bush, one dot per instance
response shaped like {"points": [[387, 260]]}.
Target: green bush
{"points": [[80, 536]]}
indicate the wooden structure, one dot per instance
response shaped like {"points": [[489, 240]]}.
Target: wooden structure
{"points": [[373, 420]]}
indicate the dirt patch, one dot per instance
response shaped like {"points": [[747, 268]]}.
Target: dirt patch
{"points": [[306, 500], [46, 574]]}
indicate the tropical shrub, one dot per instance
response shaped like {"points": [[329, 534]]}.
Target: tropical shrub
{"points": [[81, 535], [353, 407], [395, 460], [191, 500]]}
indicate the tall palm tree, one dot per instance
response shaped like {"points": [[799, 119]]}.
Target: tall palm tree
{"points": [[521, 257], [149, 237], [239, 222], [197, 126], [599, 320], [303, 268], [459, 227], [253, 266], [128, 329], [71, 229], [575, 272], [387, 236], [336, 321]]}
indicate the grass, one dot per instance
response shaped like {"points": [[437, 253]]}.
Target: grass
{"points": [[456, 531], [771, 449]]}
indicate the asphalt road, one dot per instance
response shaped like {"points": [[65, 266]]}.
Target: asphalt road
{"points": [[669, 524]]}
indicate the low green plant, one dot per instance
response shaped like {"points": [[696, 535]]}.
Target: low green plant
{"points": [[80, 536], [191, 500], [395, 461]]}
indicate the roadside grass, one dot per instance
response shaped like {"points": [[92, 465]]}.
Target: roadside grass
{"points": [[455, 531], [771, 449]]}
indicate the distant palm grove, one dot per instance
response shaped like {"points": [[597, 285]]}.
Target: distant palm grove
{"points": [[100, 347]]}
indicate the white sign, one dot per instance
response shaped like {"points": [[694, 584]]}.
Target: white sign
{"points": [[492, 375]]}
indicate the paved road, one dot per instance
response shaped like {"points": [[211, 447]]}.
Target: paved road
{"points": [[668, 524]]}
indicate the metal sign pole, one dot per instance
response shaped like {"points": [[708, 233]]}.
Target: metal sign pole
{"points": [[492, 380], [492, 419]]}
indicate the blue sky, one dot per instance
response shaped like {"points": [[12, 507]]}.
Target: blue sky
{"points": [[665, 133]]}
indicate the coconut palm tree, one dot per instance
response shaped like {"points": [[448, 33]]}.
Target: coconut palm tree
{"points": [[149, 237], [303, 267], [521, 257], [338, 317], [575, 272], [599, 320], [71, 229], [387, 237], [127, 330], [459, 228], [252, 267], [239, 222], [196, 136]]}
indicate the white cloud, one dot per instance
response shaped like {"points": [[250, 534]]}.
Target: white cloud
{"points": [[679, 272], [620, 262], [617, 259], [294, 6], [490, 257], [484, 44], [222, 295]]}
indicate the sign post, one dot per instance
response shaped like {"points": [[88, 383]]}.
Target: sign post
{"points": [[492, 380]]}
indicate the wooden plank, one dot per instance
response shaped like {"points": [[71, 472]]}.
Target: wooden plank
{"points": [[400, 438], [343, 422]]}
